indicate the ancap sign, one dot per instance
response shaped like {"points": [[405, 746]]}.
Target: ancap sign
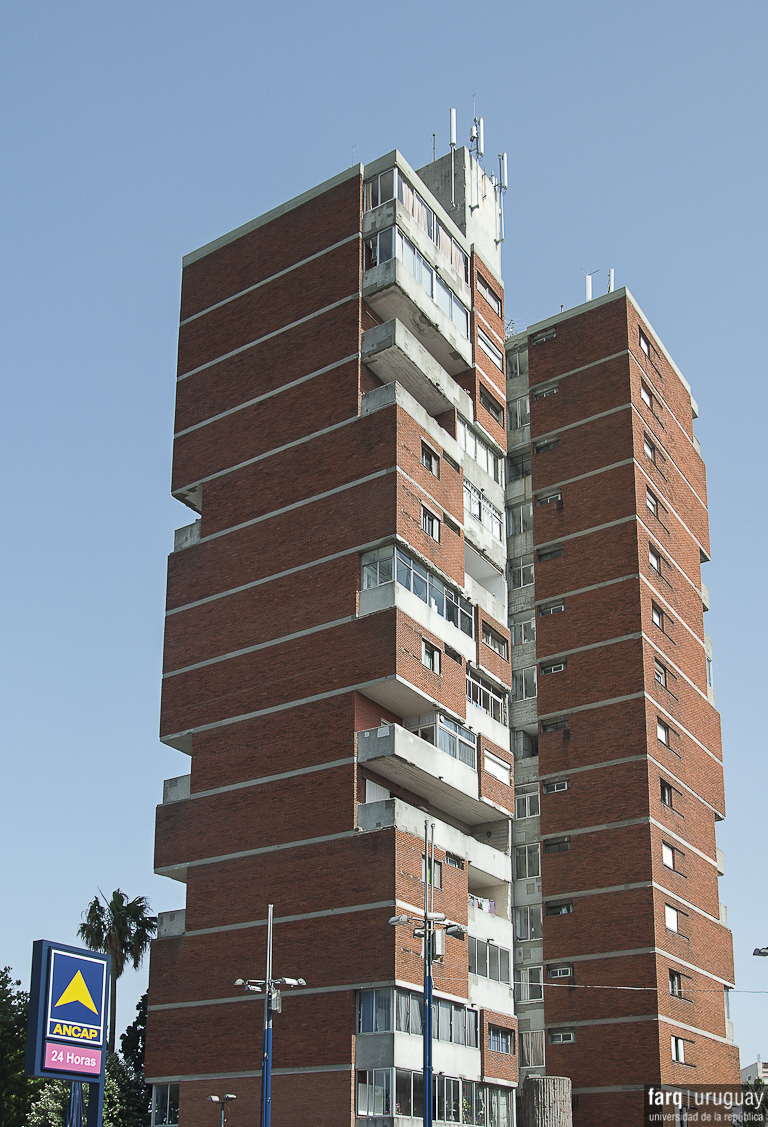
{"points": [[66, 1032]]}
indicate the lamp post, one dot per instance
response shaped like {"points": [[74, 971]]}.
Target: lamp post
{"points": [[760, 951], [272, 1002], [223, 1100], [426, 929]]}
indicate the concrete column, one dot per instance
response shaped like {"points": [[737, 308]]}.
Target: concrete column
{"points": [[547, 1101]]}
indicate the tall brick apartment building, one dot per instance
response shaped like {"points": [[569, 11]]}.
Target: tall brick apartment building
{"points": [[350, 652]]}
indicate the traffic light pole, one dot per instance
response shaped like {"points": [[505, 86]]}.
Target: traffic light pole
{"points": [[428, 946], [266, 1064]]}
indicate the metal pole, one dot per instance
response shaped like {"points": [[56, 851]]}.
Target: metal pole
{"points": [[266, 1064], [427, 1028]]}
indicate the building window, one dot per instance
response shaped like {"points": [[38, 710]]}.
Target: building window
{"points": [[430, 459], [645, 395], [523, 628], [527, 801], [527, 863], [435, 870], [528, 922], [518, 465], [644, 343], [487, 960], [564, 908], [479, 450], [497, 767], [454, 655], [727, 1002], [651, 503], [552, 608], [543, 393], [521, 571], [524, 745], [485, 698], [667, 855], [165, 1105], [546, 444], [519, 412], [491, 351], [430, 657], [654, 559], [452, 738], [374, 1014], [380, 189], [662, 732], [557, 845], [528, 984], [501, 1040], [675, 984], [454, 862], [659, 673], [556, 786], [430, 524], [565, 970], [520, 518], [561, 1036], [478, 505], [549, 554], [489, 295], [666, 794], [649, 449], [524, 683], [373, 1091], [678, 1050], [492, 407], [657, 615], [392, 243], [532, 1049], [495, 642], [554, 726], [553, 667], [550, 498], [671, 918]]}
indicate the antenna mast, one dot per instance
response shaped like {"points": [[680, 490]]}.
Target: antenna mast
{"points": [[453, 157]]}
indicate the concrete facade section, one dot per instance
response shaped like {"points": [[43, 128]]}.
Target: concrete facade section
{"points": [[619, 771]]}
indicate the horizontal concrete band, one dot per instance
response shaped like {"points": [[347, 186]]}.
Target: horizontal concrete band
{"points": [[273, 277], [269, 336], [658, 1018], [182, 1078], [325, 913], [631, 952], [610, 889], [267, 395], [255, 852], [264, 780]]}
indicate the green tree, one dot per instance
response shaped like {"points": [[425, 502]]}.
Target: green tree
{"points": [[123, 928], [132, 1042], [16, 1090]]}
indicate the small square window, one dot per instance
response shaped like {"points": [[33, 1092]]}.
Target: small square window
{"points": [[544, 393], [659, 673], [430, 657], [550, 499], [527, 801], [562, 1037], [549, 554], [662, 732], [644, 343], [546, 444], [657, 614], [649, 449], [554, 726], [453, 655], [651, 503], [430, 524], [553, 667], [667, 855], [556, 786], [646, 396], [557, 845], [565, 970], [430, 460], [654, 559], [552, 608], [563, 909], [496, 642]]}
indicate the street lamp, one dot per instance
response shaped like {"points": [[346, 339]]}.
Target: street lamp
{"points": [[760, 951], [223, 1100], [426, 929], [272, 1002]]}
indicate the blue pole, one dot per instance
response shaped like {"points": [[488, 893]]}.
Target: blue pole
{"points": [[266, 1064], [428, 1108]]}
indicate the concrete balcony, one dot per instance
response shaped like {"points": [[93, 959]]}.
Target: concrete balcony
{"points": [[170, 924], [176, 790], [187, 536], [705, 596], [421, 767], [395, 354], [720, 863], [488, 867], [393, 293]]}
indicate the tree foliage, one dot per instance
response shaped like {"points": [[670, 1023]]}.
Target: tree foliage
{"points": [[16, 1090], [124, 929]]}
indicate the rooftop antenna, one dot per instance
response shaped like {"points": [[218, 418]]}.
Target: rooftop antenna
{"points": [[610, 280], [433, 147], [477, 145], [453, 157], [501, 193], [588, 283]]}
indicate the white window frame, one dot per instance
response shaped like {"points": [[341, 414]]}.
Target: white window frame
{"points": [[430, 657], [645, 395], [565, 970], [497, 768], [528, 922], [663, 732], [519, 412], [531, 1044], [521, 571], [430, 524], [678, 1049], [494, 354], [561, 1037], [430, 459], [671, 919], [649, 449], [657, 616], [520, 518], [654, 559], [528, 861], [525, 683], [667, 856], [556, 786], [652, 502], [527, 801], [529, 984], [495, 642]]}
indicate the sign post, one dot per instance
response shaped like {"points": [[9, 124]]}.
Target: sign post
{"points": [[67, 1025]]}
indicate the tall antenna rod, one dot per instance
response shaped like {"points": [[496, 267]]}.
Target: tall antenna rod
{"points": [[502, 190], [453, 157]]}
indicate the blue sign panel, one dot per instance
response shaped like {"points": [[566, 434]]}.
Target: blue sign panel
{"points": [[77, 993], [66, 1031]]}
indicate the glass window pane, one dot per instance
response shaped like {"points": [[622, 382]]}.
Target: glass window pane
{"points": [[387, 185], [471, 1020], [482, 958], [418, 1095], [403, 1010], [386, 244], [503, 965], [436, 596], [426, 277], [383, 1011], [160, 1095], [417, 1006], [444, 1020], [362, 1093], [493, 962], [458, 1030], [381, 1079], [420, 587], [402, 1092], [472, 955], [366, 1011]]}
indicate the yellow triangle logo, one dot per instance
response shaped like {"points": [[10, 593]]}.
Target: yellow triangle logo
{"points": [[77, 991]]}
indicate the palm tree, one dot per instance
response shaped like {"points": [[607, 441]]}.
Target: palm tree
{"points": [[123, 928]]}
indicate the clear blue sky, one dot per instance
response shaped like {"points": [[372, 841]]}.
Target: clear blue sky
{"points": [[133, 133]]}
